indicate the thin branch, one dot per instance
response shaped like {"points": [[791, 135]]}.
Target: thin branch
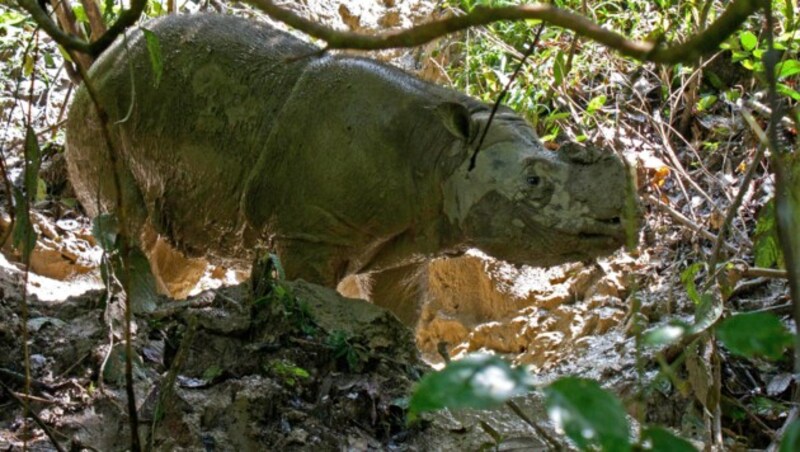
{"points": [[127, 18], [503, 93], [732, 211], [688, 51], [124, 250], [681, 218], [47, 430]]}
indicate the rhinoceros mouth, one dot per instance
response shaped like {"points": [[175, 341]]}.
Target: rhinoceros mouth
{"points": [[611, 228]]}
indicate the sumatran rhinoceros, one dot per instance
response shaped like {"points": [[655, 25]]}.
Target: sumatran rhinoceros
{"points": [[342, 165]]}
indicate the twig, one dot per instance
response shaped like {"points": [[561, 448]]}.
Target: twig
{"points": [[793, 415], [124, 251], [708, 41], [764, 427], [36, 418], [169, 382], [20, 379], [732, 211], [502, 95], [518, 411], [127, 18], [680, 218], [756, 272]]}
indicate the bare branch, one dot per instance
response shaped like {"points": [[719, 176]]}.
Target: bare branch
{"points": [[706, 42], [127, 18]]}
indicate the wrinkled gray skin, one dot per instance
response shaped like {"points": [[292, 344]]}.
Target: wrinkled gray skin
{"points": [[343, 165]]}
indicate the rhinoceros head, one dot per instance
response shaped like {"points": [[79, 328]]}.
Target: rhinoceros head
{"points": [[527, 205]]}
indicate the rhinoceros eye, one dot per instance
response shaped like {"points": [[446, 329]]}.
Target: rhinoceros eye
{"points": [[533, 181]]}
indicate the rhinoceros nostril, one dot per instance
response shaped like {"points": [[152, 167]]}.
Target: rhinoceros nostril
{"points": [[613, 220]]}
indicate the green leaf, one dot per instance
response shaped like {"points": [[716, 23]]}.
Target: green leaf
{"points": [[80, 13], [596, 103], [707, 313], [142, 283], [755, 334], [787, 68], [739, 56], [661, 439], [33, 156], [24, 236], [276, 264], [590, 416], [477, 381], [749, 40], [687, 278], [154, 51], [105, 230], [791, 437], [41, 190], [767, 252], [559, 65], [706, 102], [788, 91], [665, 334], [714, 80]]}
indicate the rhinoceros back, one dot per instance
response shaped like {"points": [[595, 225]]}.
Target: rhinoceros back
{"points": [[185, 143]]}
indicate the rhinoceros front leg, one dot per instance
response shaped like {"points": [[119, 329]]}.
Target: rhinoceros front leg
{"points": [[317, 263], [400, 290]]}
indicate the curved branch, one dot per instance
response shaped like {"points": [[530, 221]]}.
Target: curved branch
{"points": [[127, 18], [707, 41], [64, 39]]}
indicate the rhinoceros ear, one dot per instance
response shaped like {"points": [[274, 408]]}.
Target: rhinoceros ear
{"points": [[456, 119]]}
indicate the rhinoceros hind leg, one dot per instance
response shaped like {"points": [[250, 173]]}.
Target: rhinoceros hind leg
{"points": [[400, 290]]}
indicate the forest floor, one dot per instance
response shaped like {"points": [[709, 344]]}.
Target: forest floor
{"points": [[214, 372]]}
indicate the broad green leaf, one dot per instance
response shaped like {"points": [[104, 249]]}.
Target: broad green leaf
{"points": [[33, 156], [596, 103], [661, 439], [749, 40], [41, 190], [154, 51], [706, 102], [739, 56], [556, 116], [156, 9], [791, 438], [104, 230], [48, 60], [687, 278], [755, 334], [787, 68], [665, 334], [27, 65], [477, 381], [24, 236], [788, 91], [276, 263], [141, 283], [788, 14], [80, 13], [766, 250], [559, 65], [591, 417], [766, 407], [715, 80], [707, 313]]}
